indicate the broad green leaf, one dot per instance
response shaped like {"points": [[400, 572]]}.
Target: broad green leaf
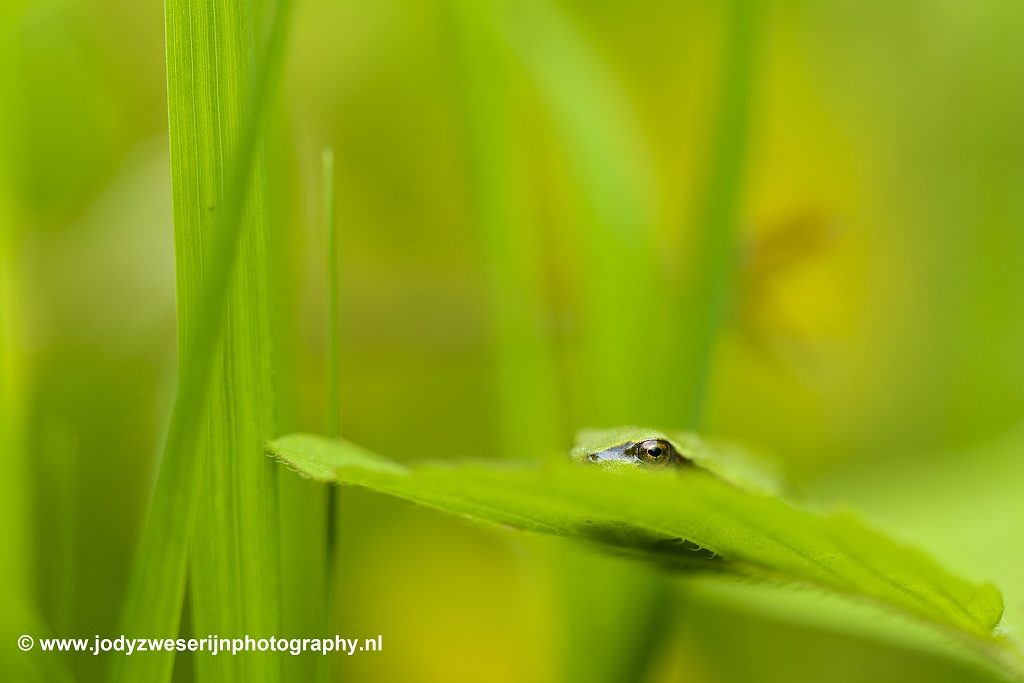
{"points": [[964, 506], [686, 520]]}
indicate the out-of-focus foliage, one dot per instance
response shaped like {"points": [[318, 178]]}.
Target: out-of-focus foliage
{"points": [[872, 337]]}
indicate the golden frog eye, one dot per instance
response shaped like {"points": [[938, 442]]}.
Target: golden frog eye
{"points": [[655, 452]]}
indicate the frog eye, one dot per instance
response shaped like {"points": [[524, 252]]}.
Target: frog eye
{"points": [[655, 452]]}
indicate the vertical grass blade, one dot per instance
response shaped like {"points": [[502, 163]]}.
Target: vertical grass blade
{"points": [[235, 559], [214, 122], [612, 171], [703, 299], [528, 404]]}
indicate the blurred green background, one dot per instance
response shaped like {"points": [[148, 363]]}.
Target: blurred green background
{"points": [[520, 188]]}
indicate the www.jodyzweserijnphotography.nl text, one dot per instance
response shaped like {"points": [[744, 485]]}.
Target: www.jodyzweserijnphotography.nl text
{"points": [[211, 645]]}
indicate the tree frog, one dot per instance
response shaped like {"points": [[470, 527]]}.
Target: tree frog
{"points": [[651, 449]]}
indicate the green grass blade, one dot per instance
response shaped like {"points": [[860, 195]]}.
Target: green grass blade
{"points": [[201, 157], [235, 558], [603, 141], [689, 522], [512, 246], [702, 299]]}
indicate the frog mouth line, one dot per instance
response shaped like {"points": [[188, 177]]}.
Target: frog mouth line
{"points": [[616, 454]]}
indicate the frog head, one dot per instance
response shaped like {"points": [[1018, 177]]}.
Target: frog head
{"points": [[636, 446]]}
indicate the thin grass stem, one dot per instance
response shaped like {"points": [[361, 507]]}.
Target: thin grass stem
{"points": [[333, 391]]}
